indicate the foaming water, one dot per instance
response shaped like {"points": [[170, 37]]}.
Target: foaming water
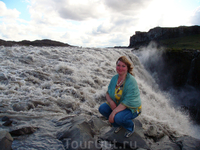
{"points": [[40, 85], [152, 58]]}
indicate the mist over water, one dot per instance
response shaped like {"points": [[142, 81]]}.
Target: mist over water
{"points": [[40, 85], [183, 98], [151, 58]]}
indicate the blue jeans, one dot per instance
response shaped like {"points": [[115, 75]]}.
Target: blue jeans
{"points": [[122, 118]]}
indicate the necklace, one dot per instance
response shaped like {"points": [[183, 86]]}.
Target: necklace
{"points": [[118, 84]]}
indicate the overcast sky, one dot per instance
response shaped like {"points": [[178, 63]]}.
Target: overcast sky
{"points": [[92, 23]]}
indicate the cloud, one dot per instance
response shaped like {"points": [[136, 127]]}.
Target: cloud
{"points": [[9, 28], [42, 12], [10, 31], [93, 23], [77, 10], [195, 20], [77, 22], [8, 13], [114, 24], [81, 10], [87, 9], [126, 6], [105, 27]]}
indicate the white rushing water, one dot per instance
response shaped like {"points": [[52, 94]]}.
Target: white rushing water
{"points": [[43, 84]]}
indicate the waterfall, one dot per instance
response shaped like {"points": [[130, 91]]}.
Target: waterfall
{"points": [[41, 84]]}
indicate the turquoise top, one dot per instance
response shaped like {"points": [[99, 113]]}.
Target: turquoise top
{"points": [[130, 95]]}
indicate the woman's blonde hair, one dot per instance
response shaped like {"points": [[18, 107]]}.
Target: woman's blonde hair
{"points": [[125, 60]]}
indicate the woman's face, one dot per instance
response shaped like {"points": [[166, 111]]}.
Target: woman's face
{"points": [[121, 68]]}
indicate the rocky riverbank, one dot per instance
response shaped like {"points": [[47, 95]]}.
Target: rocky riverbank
{"points": [[79, 132]]}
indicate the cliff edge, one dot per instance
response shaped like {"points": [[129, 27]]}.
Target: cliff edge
{"points": [[158, 34]]}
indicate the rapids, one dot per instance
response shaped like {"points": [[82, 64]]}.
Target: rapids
{"points": [[40, 85]]}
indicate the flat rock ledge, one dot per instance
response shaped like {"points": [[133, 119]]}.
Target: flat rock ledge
{"points": [[78, 132], [97, 134]]}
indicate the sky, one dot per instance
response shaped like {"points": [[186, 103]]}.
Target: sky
{"points": [[92, 23]]}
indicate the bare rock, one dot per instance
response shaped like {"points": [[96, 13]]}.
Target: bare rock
{"points": [[76, 132], [26, 59], [20, 107], [188, 143], [5, 118], [8, 123], [120, 142], [165, 144], [5, 140], [154, 133], [23, 131], [158, 33], [3, 77], [78, 135]]}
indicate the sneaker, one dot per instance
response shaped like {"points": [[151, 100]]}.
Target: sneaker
{"points": [[129, 133], [117, 129]]}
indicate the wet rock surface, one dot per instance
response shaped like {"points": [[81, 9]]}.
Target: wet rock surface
{"points": [[77, 132], [5, 140], [23, 131]]}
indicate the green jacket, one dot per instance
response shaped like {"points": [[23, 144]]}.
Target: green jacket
{"points": [[131, 94]]}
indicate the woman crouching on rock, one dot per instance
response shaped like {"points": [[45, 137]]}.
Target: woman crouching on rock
{"points": [[123, 98]]}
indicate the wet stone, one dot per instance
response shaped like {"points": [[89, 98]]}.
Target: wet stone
{"points": [[23, 131], [3, 77], [5, 140], [26, 60], [5, 118], [8, 123]]}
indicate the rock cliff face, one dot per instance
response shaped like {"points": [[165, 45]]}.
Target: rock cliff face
{"points": [[174, 69], [183, 67], [178, 73], [158, 33]]}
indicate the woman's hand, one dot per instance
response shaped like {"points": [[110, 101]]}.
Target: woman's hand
{"points": [[111, 102], [119, 108], [112, 116]]}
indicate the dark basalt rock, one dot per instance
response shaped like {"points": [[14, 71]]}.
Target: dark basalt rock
{"points": [[158, 33], [180, 68], [40, 43], [5, 140], [23, 131], [5, 118], [8, 123], [76, 132], [187, 142]]}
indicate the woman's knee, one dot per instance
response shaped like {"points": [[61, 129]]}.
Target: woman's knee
{"points": [[103, 108], [123, 116], [118, 119]]}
